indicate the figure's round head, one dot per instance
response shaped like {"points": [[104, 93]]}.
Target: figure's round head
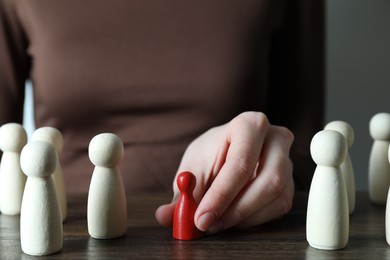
{"points": [[344, 128], [38, 159], [51, 135], [186, 181], [328, 148], [380, 127], [13, 137], [106, 150]]}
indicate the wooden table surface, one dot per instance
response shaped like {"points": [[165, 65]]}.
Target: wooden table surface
{"points": [[145, 239]]}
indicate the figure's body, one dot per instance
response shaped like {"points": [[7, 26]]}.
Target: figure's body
{"points": [[387, 212], [183, 219], [379, 166], [54, 136], [107, 207], [346, 166], [12, 180], [41, 230], [327, 220]]}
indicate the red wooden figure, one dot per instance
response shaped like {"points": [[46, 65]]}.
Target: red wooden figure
{"points": [[183, 219]]}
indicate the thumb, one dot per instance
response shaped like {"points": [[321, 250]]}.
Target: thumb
{"points": [[164, 213]]}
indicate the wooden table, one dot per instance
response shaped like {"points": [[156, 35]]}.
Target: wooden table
{"points": [[145, 239]]}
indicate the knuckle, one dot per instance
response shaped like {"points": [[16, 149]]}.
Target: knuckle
{"points": [[277, 184], [287, 134], [223, 197], [243, 167], [282, 187], [256, 120], [286, 203], [240, 215]]}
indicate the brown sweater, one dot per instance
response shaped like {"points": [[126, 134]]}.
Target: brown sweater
{"points": [[160, 73]]}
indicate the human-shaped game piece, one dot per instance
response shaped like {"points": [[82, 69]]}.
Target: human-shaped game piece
{"points": [[54, 136], [183, 219], [346, 167], [379, 167], [13, 138], [387, 212], [41, 230], [327, 223], [107, 206]]}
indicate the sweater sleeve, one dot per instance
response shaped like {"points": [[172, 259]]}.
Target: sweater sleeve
{"points": [[14, 63]]}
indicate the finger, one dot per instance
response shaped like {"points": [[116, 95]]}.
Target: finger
{"points": [[204, 157], [164, 214], [203, 149], [246, 136], [273, 210], [273, 181]]}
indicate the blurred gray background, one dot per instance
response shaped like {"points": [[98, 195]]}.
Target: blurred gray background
{"points": [[358, 71]]}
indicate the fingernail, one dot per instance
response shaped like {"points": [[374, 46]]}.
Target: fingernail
{"points": [[206, 220], [216, 227]]}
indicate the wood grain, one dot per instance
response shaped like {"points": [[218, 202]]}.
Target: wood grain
{"points": [[145, 239]]}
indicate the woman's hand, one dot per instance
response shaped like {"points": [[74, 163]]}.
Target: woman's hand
{"points": [[243, 172]]}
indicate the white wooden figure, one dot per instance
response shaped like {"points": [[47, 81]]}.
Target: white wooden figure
{"points": [[41, 230], [387, 214], [379, 167], [327, 223], [13, 138], [346, 167], [54, 136], [107, 210]]}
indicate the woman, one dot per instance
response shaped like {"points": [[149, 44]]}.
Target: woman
{"points": [[212, 80]]}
